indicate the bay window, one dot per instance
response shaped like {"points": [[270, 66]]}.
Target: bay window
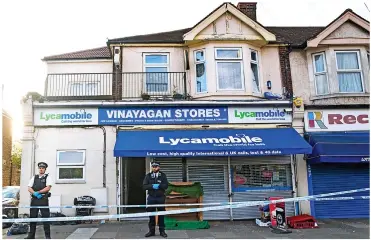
{"points": [[71, 166], [320, 74], [349, 72], [229, 68]]}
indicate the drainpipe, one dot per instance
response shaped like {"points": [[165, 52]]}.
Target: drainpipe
{"points": [[104, 154]]}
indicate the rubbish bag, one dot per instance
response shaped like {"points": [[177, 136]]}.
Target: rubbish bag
{"points": [[18, 228]]}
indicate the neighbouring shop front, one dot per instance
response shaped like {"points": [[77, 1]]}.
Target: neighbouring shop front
{"points": [[217, 147], [340, 141]]}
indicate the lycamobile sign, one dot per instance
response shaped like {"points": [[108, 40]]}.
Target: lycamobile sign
{"points": [[258, 115], [65, 116], [238, 139]]}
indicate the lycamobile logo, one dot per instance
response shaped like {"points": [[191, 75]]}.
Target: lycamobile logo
{"points": [[240, 138], [264, 114], [65, 116]]}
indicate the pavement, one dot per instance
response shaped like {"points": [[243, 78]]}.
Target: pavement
{"points": [[328, 229]]}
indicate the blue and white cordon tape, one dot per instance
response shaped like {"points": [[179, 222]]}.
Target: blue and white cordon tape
{"points": [[318, 197]]}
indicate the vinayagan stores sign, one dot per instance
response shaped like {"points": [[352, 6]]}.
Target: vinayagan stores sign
{"points": [[159, 115]]}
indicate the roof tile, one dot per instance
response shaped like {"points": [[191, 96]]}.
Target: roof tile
{"points": [[95, 53]]}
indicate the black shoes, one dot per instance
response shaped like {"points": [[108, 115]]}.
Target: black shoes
{"points": [[150, 234], [29, 237], [163, 234]]}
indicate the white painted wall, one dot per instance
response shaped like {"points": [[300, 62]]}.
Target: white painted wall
{"points": [[89, 84], [49, 140]]}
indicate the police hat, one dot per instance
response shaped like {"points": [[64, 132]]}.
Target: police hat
{"points": [[42, 164], [155, 164]]}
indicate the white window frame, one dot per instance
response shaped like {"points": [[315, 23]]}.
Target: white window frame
{"points": [[199, 62], [315, 73], [350, 70], [229, 60], [167, 65], [71, 165], [257, 64]]}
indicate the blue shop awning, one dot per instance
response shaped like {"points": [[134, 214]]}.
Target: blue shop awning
{"points": [[226, 142], [339, 147]]}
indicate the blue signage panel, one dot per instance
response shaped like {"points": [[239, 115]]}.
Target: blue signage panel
{"points": [[193, 143], [162, 115]]}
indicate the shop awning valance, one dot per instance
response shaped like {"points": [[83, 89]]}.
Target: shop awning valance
{"points": [[198, 143], [339, 147]]}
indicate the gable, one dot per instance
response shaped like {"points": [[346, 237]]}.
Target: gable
{"points": [[227, 27], [229, 11], [348, 29]]}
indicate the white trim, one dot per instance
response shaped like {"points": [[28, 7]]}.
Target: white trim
{"points": [[359, 70], [77, 180], [72, 164], [200, 62], [158, 65], [315, 73], [257, 62], [226, 48]]}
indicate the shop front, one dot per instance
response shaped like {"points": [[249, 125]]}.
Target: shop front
{"points": [[339, 161], [232, 165]]}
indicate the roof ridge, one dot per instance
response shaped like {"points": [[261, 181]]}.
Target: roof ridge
{"points": [[90, 49]]}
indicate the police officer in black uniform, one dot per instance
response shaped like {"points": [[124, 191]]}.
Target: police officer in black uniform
{"points": [[39, 187], [156, 183]]}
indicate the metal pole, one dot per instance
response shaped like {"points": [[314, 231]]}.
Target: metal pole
{"points": [[230, 195], [294, 188]]}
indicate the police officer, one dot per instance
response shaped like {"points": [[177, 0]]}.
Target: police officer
{"points": [[39, 187], [156, 183]]}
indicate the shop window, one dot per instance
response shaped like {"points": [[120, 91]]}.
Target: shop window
{"points": [[349, 72], [156, 67], [320, 74], [71, 166], [229, 68], [201, 85], [261, 177], [254, 63]]}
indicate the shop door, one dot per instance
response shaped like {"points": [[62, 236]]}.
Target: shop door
{"points": [[326, 178], [257, 178], [134, 183]]}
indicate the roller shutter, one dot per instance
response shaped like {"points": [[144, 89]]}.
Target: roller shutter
{"points": [[173, 168], [327, 178], [212, 173], [253, 169]]}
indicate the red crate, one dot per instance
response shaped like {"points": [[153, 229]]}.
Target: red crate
{"points": [[302, 221]]}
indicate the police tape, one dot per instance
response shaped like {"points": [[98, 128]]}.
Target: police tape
{"points": [[170, 205], [181, 211]]}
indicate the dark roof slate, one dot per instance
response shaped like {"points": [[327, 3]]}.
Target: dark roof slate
{"points": [[95, 53]]}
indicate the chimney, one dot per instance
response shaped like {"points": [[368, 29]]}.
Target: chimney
{"points": [[248, 8]]}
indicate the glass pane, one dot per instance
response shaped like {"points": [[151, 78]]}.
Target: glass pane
{"points": [[228, 53], [319, 63], [321, 84], [200, 56], [71, 173], [71, 157], [350, 82], [156, 59], [229, 75], [254, 56], [157, 79], [255, 77], [201, 78], [347, 60], [262, 175]]}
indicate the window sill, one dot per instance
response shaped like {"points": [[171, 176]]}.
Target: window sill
{"points": [[339, 95], [70, 181]]}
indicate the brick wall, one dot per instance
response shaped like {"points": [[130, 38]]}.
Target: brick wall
{"points": [[11, 173], [285, 69]]}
